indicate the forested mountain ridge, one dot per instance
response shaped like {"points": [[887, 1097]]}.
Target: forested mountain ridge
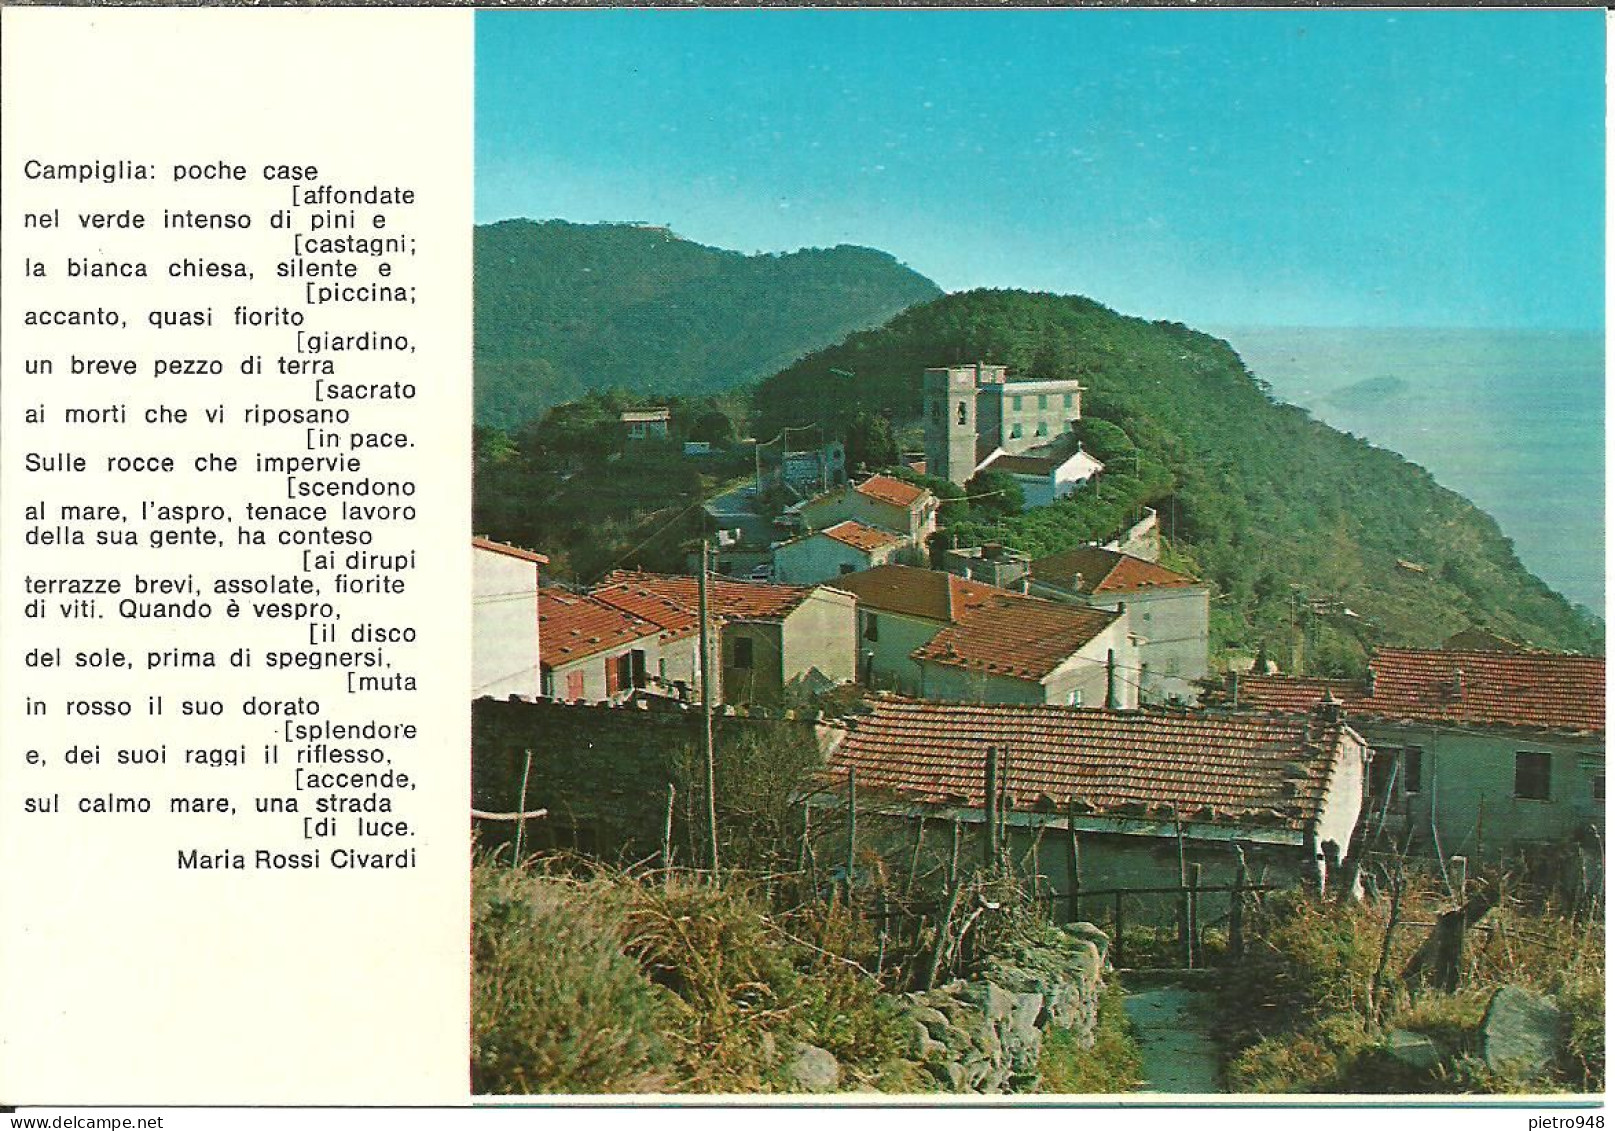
{"points": [[562, 309], [1301, 528]]}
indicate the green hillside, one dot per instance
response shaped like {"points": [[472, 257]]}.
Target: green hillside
{"points": [[562, 309], [1293, 521]]}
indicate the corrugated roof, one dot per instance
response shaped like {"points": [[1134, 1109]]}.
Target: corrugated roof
{"points": [[573, 626], [1531, 690], [861, 536], [1106, 571], [1019, 637], [726, 598], [1266, 770]]}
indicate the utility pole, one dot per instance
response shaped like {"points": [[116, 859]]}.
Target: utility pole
{"points": [[706, 710]]}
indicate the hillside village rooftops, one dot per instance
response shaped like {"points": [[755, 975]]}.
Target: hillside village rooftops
{"points": [[1263, 770], [573, 627], [1019, 637], [915, 592], [1540, 691], [674, 620], [861, 536], [1092, 569], [727, 599], [509, 550]]}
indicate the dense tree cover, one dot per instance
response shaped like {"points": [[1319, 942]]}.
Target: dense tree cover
{"points": [[573, 486], [562, 309], [1292, 521]]}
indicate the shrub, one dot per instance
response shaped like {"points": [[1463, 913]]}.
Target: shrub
{"points": [[555, 1004]]}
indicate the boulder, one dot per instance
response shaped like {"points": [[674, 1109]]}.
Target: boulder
{"points": [[1089, 933], [812, 1069], [1412, 1049], [1522, 1030]]}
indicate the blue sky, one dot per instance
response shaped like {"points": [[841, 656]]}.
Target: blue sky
{"points": [[1336, 168]]}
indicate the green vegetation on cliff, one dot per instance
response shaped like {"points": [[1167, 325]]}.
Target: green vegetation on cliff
{"points": [[564, 308], [1292, 521]]}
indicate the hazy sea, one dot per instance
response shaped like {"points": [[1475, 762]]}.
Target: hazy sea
{"points": [[1512, 420]]}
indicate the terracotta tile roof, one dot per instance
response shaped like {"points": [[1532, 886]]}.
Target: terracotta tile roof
{"points": [[1106, 571], [1020, 637], [1533, 690], [1295, 695], [861, 537], [889, 490], [727, 598], [915, 592], [675, 621], [573, 626], [509, 550], [1266, 770]]}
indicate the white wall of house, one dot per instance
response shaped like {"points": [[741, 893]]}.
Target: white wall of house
{"points": [[591, 678], [885, 641], [1174, 631], [818, 557], [1469, 777], [914, 524], [820, 638], [504, 624]]}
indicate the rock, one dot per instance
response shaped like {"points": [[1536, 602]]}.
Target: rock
{"points": [[1024, 1082], [932, 1019], [1521, 1030], [978, 1074], [949, 1073], [1089, 933], [813, 1069], [993, 1000], [1412, 1049], [1026, 1012]]}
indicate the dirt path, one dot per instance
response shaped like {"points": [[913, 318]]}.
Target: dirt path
{"points": [[1174, 1034]]}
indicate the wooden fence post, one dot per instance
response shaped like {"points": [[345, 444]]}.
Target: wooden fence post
{"points": [[1236, 910], [990, 845], [852, 827], [1074, 892], [521, 822], [1193, 937]]}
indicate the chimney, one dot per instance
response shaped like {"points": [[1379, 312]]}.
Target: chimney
{"points": [[1328, 708], [1458, 683], [1232, 683]]}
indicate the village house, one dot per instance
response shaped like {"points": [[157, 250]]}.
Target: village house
{"points": [[1149, 794], [677, 670], [646, 423], [1485, 753], [504, 619], [991, 564], [1043, 479], [772, 640], [974, 415], [591, 651], [879, 501], [1168, 613], [932, 634], [824, 555]]}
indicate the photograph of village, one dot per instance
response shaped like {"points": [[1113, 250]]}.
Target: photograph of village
{"points": [[1039, 554]]}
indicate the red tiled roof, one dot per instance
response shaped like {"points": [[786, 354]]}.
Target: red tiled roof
{"points": [[889, 490], [1295, 695], [1270, 770], [675, 621], [1106, 571], [1019, 637], [1022, 465], [1537, 689], [509, 550], [860, 536], [573, 626], [1534, 690], [916, 592], [726, 598]]}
